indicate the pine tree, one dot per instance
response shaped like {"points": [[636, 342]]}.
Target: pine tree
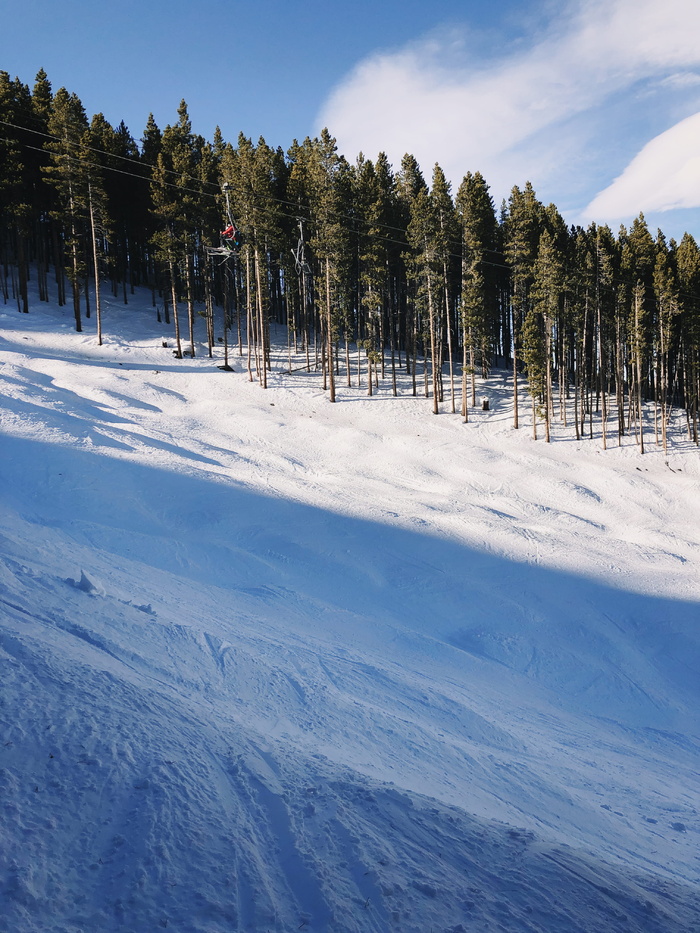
{"points": [[68, 174], [372, 205], [41, 195], [180, 145], [145, 214], [166, 239], [638, 260], [523, 226], [688, 266], [252, 172], [42, 98], [446, 255], [296, 195], [540, 322], [386, 212], [666, 293], [117, 153], [329, 191], [605, 271], [15, 212], [92, 205], [409, 182], [429, 222], [208, 224], [478, 227], [175, 206], [424, 270]]}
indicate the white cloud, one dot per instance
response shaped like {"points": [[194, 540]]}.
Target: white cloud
{"points": [[682, 79], [499, 118], [665, 175]]}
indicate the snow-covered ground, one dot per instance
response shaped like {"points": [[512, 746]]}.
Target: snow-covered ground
{"points": [[272, 664]]}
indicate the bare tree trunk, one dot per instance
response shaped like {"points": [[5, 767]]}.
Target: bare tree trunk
{"points": [[227, 317], [638, 363], [190, 302], [74, 254], [548, 379], [449, 342], [176, 316], [576, 395], [431, 322], [209, 310], [392, 336], [602, 380], [249, 329], [619, 381], [663, 381], [262, 328], [98, 304], [465, 406], [22, 272], [75, 283], [329, 327], [516, 423]]}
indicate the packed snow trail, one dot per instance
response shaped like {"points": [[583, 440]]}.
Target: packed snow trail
{"points": [[270, 664]]}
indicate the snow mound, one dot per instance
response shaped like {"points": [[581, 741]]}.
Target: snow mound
{"points": [[87, 585]]}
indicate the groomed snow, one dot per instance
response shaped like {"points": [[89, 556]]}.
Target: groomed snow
{"points": [[272, 664]]}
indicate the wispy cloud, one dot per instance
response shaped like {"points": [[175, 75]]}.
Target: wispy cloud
{"points": [[519, 116], [665, 175]]}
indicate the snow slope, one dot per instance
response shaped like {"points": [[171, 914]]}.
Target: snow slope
{"points": [[271, 664]]}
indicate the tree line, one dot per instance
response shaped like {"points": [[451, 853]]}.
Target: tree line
{"points": [[373, 271]]}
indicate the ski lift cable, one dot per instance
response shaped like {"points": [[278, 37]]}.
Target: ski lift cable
{"points": [[205, 182], [201, 181], [105, 168], [104, 152], [180, 175], [617, 280]]}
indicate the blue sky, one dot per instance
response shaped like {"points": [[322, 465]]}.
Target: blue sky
{"points": [[596, 103]]}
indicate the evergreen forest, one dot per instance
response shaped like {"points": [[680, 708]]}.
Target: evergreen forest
{"points": [[370, 270]]}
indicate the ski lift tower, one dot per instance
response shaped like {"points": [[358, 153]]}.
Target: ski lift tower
{"points": [[227, 253]]}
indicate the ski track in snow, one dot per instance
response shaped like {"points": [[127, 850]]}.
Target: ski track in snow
{"points": [[270, 664]]}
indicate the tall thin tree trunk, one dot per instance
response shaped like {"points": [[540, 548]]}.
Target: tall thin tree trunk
{"points": [[176, 316], [602, 387], [262, 328], [638, 363], [472, 366], [431, 325], [548, 378], [98, 304], [465, 405], [227, 318], [249, 330], [22, 272], [75, 283], [329, 328], [190, 301], [449, 342]]}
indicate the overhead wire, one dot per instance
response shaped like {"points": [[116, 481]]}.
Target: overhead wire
{"points": [[291, 216], [178, 187], [148, 165], [103, 152]]}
